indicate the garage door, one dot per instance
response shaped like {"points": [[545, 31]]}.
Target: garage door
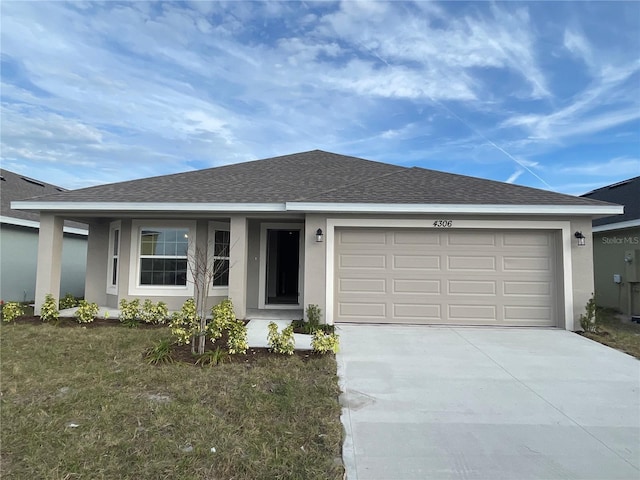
{"points": [[463, 277]]}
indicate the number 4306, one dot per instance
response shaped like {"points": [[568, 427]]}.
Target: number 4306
{"points": [[443, 223]]}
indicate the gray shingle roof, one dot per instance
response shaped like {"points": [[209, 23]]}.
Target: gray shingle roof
{"points": [[14, 186], [625, 193], [317, 176]]}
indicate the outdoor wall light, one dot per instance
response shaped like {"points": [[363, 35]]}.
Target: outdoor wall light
{"points": [[319, 235], [581, 239]]}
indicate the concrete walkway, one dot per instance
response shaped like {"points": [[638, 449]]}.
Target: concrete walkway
{"points": [[486, 403], [257, 330]]}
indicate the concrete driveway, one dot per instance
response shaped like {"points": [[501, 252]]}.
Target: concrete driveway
{"points": [[486, 403]]}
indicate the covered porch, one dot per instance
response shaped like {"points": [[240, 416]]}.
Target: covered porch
{"points": [[275, 265]]}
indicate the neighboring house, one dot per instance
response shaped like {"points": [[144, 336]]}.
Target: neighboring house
{"points": [[19, 242], [616, 248], [365, 241]]}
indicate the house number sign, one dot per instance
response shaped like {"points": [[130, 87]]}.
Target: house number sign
{"points": [[443, 223]]}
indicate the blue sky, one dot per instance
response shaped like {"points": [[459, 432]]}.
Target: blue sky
{"points": [[544, 94]]}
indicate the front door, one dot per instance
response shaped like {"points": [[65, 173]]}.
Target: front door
{"points": [[282, 267]]}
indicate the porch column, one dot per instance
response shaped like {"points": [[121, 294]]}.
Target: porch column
{"points": [[314, 264], [238, 251], [95, 285], [49, 258]]}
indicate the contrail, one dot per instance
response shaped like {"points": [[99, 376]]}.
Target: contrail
{"points": [[492, 143]]}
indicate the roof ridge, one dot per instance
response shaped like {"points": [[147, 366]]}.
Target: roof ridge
{"points": [[353, 184]]}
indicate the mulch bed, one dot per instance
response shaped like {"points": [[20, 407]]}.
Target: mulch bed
{"points": [[72, 322], [180, 353]]}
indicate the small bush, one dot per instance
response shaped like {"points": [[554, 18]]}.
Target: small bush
{"points": [[314, 313], [68, 301], [223, 319], [185, 323], [237, 337], [300, 326], [87, 312], [129, 312], [213, 357], [49, 310], [590, 321], [281, 342], [322, 342], [154, 312], [11, 311], [160, 353], [222, 315]]}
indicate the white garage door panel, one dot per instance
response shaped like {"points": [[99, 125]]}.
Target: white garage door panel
{"points": [[411, 286], [358, 310], [472, 287], [467, 277]]}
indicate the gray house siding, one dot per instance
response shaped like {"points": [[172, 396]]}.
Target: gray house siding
{"points": [[609, 249], [18, 257]]}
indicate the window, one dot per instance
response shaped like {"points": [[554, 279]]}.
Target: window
{"points": [[219, 246], [114, 262], [163, 256], [159, 252], [221, 240], [114, 258]]}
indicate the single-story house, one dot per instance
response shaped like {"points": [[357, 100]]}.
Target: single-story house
{"points": [[365, 241], [616, 248], [19, 242]]}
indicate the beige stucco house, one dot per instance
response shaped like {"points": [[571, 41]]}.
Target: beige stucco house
{"points": [[366, 241]]}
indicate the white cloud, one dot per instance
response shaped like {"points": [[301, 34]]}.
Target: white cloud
{"points": [[624, 167], [514, 176], [161, 87], [579, 46]]}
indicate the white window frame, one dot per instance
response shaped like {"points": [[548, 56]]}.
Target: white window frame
{"points": [[219, 290], [135, 288], [112, 288]]}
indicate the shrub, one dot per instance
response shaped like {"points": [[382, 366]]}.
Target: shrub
{"points": [[322, 342], [11, 311], [87, 312], [185, 323], [160, 353], [222, 315], [213, 357], [237, 337], [49, 310], [300, 326], [154, 312], [68, 301], [281, 342], [129, 312], [223, 319], [590, 320], [314, 313]]}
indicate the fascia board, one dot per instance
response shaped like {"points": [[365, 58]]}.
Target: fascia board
{"points": [[147, 207], [616, 226], [455, 208], [21, 222]]}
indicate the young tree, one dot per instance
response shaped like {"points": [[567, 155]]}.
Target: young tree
{"points": [[206, 265]]}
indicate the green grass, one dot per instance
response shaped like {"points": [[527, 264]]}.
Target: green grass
{"points": [[276, 418], [618, 334]]}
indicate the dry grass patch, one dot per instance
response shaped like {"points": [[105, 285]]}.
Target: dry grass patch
{"points": [[81, 403], [618, 332]]}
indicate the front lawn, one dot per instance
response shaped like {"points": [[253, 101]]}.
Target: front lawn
{"points": [[617, 333], [81, 403]]}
